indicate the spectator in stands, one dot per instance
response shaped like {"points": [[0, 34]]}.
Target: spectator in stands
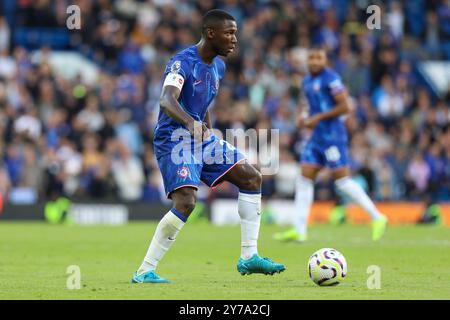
{"points": [[5, 183], [418, 175], [391, 104], [128, 174], [30, 175], [75, 126], [90, 118], [14, 163], [7, 64], [5, 34]]}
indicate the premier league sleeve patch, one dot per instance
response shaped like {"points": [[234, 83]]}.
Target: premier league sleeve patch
{"points": [[175, 76], [336, 86], [176, 66]]}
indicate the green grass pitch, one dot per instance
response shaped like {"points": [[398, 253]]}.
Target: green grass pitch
{"points": [[414, 263]]}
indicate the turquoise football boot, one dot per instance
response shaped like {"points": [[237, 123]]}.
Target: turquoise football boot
{"points": [[148, 277], [256, 264]]}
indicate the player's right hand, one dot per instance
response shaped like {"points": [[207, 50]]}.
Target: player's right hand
{"points": [[312, 122], [300, 121]]}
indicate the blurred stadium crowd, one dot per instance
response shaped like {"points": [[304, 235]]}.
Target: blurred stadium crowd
{"points": [[60, 136]]}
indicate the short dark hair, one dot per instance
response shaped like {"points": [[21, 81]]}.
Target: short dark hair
{"points": [[213, 17], [318, 47]]}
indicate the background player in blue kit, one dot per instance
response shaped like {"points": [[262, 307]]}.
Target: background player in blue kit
{"points": [[327, 146], [191, 82]]}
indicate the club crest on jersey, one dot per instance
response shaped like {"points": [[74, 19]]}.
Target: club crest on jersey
{"points": [[175, 67], [183, 172]]}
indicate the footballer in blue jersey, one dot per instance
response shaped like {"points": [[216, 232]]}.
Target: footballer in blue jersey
{"points": [[198, 83], [327, 147], [189, 153]]}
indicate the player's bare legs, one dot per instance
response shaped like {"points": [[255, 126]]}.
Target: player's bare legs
{"points": [[350, 188], [184, 200], [249, 180], [304, 196], [310, 171], [245, 177]]}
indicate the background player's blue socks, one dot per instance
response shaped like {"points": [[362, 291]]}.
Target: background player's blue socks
{"points": [[249, 207], [354, 191], [165, 234]]}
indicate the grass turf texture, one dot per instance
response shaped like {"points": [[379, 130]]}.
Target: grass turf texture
{"points": [[414, 262]]}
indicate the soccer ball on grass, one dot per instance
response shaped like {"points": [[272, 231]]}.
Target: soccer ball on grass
{"points": [[327, 267]]}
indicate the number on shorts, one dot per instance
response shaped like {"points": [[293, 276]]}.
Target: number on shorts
{"points": [[332, 154]]}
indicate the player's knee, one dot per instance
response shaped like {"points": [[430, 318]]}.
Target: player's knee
{"points": [[187, 206], [184, 200], [255, 180], [342, 184], [258, 179]]}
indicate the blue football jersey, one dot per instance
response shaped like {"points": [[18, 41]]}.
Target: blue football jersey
{"points": [[320, 90], [199, 85]]}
